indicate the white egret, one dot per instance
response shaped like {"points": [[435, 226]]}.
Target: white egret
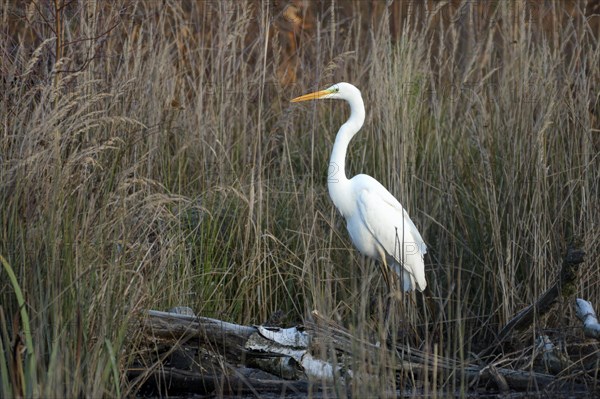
{"points": [[378, 225]]}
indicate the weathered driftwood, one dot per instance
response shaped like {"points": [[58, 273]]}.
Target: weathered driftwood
{"points": [[237, 359], [181, 328], [241, 381], [286, 359], [564, 287], [551, 357], [585, 312]]}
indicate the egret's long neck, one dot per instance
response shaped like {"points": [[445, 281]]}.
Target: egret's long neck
{"points": [[337, 182], [337, 163]]}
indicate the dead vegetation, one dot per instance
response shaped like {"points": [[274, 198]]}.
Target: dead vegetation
{"points": [[150, 158]]}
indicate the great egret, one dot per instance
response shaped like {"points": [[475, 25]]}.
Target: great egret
{"points": [[378, 225]]}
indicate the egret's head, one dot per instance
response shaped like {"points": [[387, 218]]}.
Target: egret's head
{"points": [[342, 91]]}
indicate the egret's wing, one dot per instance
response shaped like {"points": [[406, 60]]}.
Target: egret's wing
{"points": [[388, 198], [393, 230]]}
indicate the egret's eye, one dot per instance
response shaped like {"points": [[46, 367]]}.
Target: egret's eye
{"points": [[336, 88]]}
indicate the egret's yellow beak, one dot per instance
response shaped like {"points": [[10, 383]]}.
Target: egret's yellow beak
{"points": [[311, 96]]}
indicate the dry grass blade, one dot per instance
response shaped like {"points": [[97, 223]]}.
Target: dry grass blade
{"points": [[149, 157]]}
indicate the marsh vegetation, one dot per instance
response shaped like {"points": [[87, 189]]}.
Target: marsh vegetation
{"points": [[149, 158]]}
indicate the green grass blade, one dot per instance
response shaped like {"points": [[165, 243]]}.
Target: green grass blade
{"points": [[30, 374]]}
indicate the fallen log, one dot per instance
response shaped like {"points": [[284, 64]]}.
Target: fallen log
{"points": [[234, 355], [241, 381], [564, 287], [181, 328], [420, 362]]}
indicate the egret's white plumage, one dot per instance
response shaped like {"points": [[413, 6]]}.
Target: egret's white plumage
{"points": [[378, 225]]}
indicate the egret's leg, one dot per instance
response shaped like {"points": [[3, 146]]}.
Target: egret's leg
{"points": [[389, 282]]}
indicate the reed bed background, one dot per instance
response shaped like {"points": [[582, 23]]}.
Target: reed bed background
{"points": [[150, 158]]}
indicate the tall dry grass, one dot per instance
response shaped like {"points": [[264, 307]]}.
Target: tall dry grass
{"points": [[150, 158]]}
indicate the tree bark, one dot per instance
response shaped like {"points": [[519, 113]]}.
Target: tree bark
{"points": [[564, 287]]}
